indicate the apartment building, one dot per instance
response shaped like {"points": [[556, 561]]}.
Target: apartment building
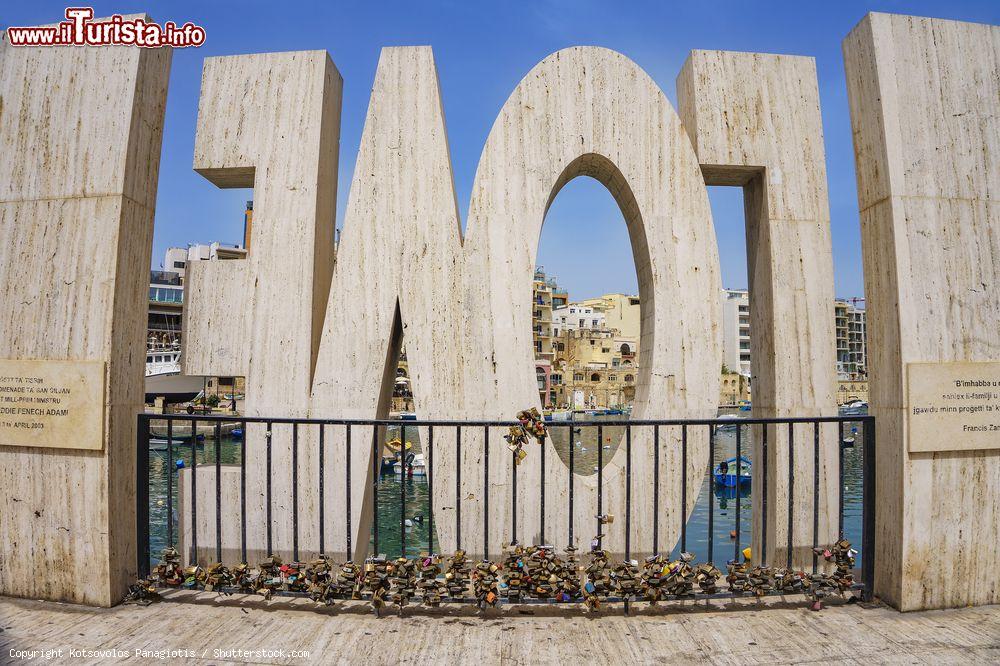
{"points": [[736, 330], [852, 351]]}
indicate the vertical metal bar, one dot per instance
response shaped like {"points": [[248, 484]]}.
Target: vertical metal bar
{"points": [[322, 531], [572, 473], [711, 495], [267, 437], [486, 492], [376, 462], [243, 493], [868, 511], [763, 514], [840, 479], [194, 492], [513, 495], [656, 491], [541, 495], [430, 489], [218, 491], [295, 492], [791, 489], [347, 492], [142, 494], [458, 487], [171, 471], [402, 489], [628, 492], [684, 486], [739, 480], [600, 475], [815, 492]]}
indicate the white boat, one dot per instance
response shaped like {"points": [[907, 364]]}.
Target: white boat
{"points": [[854, 408], [164, 378], [419, 466], [732, 421]]}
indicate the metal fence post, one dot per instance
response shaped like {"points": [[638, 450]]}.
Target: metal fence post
{"points": [[868, 512], [142, 494]]}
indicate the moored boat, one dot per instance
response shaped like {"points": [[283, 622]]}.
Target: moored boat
{"points": [[729, 474]]}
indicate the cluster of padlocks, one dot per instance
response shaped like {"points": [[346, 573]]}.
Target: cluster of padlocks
{"points": [[525, 573]]}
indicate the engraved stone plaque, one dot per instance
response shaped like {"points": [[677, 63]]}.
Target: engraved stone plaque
{"points": [[52, 404], [953, 406]]}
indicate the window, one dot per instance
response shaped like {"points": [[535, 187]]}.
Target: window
{"points": [[629, 379], [561, 346], [179, 264], [625, 349], [578, 377], [595, 323], [605, 350], [612, 378], [614, 363], [591, 343], [555, 378], [581, 323], [595, 377]]}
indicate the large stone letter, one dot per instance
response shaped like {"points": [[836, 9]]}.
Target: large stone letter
{"points": [[924, 95], [755, 122], [271, 122], [592, 112], [80, 133], [398, 277]]}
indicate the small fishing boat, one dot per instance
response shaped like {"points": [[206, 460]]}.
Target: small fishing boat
{"points": [[726, 472], [236, 433], [560, 415]]}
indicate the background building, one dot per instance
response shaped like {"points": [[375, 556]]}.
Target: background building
{"points": [[736, 330], [852, 351], [542, 290]]}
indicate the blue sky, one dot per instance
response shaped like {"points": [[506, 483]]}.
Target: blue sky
{"points": [[482, 50]]}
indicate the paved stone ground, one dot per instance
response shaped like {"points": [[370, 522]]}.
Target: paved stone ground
{"points": [[732, 632]]}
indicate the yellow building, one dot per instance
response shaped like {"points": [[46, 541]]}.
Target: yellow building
{"points": [[594, 367], [734, 388], [849, 390], [621, 312]]}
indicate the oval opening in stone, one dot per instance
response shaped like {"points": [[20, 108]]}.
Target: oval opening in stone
{"points": [[586, 315]]}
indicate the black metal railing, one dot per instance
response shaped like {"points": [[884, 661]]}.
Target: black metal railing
{"points": [[191, 438]]}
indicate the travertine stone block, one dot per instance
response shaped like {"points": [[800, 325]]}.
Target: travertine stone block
{"points": [[755, 122], [80, 133], [589, 111], [924, 95], [272, 122], [398, 276]]}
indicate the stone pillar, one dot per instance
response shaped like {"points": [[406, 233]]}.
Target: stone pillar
{"points": [[924, 95], [80, 135], [755, 122]]}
